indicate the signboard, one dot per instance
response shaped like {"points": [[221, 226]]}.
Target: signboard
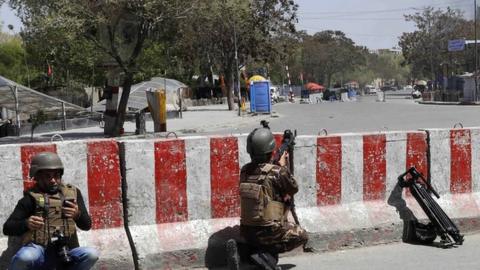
{"points": [[456, 45]]}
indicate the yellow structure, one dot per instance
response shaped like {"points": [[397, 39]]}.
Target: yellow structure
{"points": [[157, 104]]}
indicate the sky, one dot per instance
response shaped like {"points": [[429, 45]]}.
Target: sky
{"points": [[376, 24]]}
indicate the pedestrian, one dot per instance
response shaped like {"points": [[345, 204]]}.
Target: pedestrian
{"points": [[47, 218], [266, 190]]}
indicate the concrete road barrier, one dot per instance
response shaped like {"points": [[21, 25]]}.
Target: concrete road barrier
{"points": [[92, 166], [182, 194]]}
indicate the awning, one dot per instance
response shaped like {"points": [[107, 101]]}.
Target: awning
{"points": [[314, 87], [138, 98], [30, 101]]}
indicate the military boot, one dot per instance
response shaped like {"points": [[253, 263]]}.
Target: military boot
{"points": [[265, 260], [233, 259]]}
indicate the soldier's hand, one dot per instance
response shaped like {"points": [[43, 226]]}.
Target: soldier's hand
{"points": [[283, 159], [35, 223], [70, 209]]}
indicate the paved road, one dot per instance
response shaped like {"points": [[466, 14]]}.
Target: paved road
{"points": [[396, 256], [398, 112]]}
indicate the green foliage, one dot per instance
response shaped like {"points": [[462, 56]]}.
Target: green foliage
{"points": [[330, 54], [12, 60], [206, 42], [425, 49]]}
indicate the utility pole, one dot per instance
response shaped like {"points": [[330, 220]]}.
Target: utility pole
{"points": [[476, 51], [237, 70]]}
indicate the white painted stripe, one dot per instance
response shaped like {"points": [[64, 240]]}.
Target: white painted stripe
{"points": [[352, 168], [11, 177], [243, 156], [440, 160], [74, 157], [305, 160], [475, 135], [396, 156], [198, 178], [140, 175]]}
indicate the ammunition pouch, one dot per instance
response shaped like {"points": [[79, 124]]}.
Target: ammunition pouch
{"points": [[257, 209]]}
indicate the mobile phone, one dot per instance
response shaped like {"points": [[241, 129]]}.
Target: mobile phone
{"points": [[67, 200]]}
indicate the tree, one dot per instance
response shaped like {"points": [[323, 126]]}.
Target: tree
{"points": [[118, 29], [209, 37], [426, 48], [12, 56], [330, 53]]}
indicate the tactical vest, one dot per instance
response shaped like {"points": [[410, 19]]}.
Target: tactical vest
{"points": [[256, 198], [50, 208]]}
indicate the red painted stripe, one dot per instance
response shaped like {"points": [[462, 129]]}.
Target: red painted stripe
{"points": [[27, 152], [225, 177], [170, 181], [104, 184], [374, 167], [278, 142], [417, 153], [329, 170], [461, 161]]}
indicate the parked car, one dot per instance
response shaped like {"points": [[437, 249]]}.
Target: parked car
{"points": [[388, 88], [368, 90]]}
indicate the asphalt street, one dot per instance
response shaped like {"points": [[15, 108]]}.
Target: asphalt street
{"points": [[398, 112], [395, 256], [366, 114]]}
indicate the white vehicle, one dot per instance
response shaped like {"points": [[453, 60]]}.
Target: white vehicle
{"points": [[370, 89]]}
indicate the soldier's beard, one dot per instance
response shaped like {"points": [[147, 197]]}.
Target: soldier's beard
{"points": [[52, 189]]}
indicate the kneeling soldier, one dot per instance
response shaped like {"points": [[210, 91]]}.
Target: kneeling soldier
{"points": [[266, 190]]}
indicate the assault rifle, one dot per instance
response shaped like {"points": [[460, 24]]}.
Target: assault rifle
{"points": [[442, 224]]}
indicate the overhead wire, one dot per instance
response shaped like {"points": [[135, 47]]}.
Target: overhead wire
{"points": [[335, 15]]}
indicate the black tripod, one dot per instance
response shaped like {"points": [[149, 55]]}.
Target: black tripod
{"points": [[440, 222]]}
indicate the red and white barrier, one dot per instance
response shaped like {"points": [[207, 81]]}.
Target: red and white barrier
{"points": [[455, 169], [181, 192], [92, 166], [189, 187], [345, 179]]}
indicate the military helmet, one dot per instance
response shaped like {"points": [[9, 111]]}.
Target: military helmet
{"points": [[260, 142], [45, 161]]}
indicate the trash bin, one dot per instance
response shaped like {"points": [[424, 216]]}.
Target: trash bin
{"points": [[260, 100]]}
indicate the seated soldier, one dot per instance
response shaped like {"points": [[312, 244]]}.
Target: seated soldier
{"points": [[47, 217]]}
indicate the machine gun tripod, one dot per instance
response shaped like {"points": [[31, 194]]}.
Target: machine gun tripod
{"points": [[441, 224]]}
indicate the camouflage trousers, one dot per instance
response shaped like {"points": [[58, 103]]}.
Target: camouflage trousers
{"points": [[275, 239]]}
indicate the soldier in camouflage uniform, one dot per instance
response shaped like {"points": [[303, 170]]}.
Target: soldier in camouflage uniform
{"points": [[265, 191]]}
